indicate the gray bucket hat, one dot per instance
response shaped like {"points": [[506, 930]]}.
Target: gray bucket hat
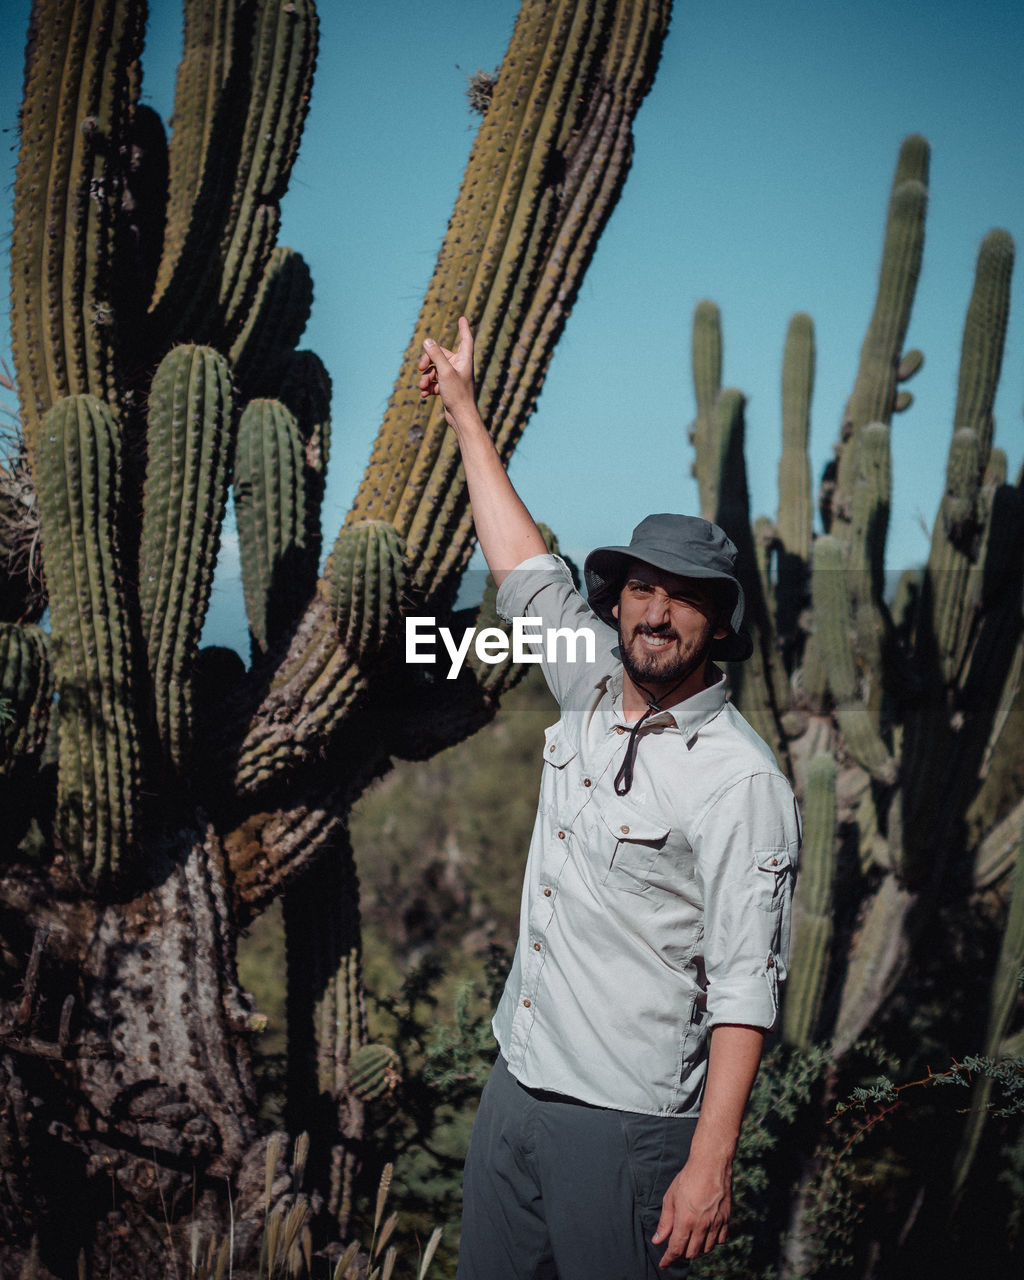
{"points": [[684, 545]]}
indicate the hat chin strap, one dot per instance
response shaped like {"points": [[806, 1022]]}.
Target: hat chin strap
{"points": [[624, 777]]}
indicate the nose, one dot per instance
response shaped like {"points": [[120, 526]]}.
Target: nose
{"points": [[657, 612]]}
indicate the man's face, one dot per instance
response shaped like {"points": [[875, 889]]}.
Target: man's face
{"points": [[666, 625]]}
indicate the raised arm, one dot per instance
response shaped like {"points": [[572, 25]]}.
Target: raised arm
{"points": [[507, 532]]}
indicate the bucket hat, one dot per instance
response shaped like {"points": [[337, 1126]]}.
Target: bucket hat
{"points": [[684, 545]]}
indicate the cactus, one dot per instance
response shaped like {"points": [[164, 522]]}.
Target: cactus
{"points": [[26, 686], [78, 464], [907, 713], [374, 1071], [271, 510], [192, 792], [183, 507], [812, 930], [366, 579]]}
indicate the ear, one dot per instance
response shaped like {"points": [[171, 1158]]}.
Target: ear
{"points": [[615, 611], [720, 633]]}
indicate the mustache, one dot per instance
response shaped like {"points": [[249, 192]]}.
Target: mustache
{"points": [[664, 632]]}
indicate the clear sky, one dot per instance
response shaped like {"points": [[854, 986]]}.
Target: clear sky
{"points": [[763, 159]]}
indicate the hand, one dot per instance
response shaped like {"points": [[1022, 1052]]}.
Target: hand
{"points": [[449, 374], [694, 1212]]}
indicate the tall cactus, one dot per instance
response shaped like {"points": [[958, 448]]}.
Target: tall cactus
{"points": [[155, 321], [903, 710]]}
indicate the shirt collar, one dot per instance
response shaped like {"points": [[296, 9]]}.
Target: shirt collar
{"points": [[688, 716]]}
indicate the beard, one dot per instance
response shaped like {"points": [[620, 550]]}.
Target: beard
{"points": [[671, 667]]}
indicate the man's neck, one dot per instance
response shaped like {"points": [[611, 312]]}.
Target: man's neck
{"points": [[636, 701]]}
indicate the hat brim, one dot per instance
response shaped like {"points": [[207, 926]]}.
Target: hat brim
{"points": [[605, 570]]}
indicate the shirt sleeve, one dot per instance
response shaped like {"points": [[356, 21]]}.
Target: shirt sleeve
{"points": [[747, 851], [570, 642]]}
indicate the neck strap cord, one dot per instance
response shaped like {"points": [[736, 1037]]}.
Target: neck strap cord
{"points": [[624, 777]]}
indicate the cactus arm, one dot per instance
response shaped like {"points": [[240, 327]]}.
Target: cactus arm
{"points": [[273, 326], [706, 355], [537, 192], [201, 131], [67, 200], [284, 56], [981, 352], [270, 508], [184, 500], [812, 932], [365, 580], [78, 468], [796, 513], [834, 632], [760, 688], [874, 391], [26, 684]]}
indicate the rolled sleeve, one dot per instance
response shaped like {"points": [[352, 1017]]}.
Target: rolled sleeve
{"points": [[747, 852], [542, 588]]}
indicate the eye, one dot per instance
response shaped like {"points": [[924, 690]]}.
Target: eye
{"points": [[638, 588]]}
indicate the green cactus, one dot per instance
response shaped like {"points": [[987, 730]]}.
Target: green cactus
{"points": [[916, 700], [26, 688], [366, 580], [183, 507], [874, 392], [812, 929], [270, 508], [374, 1071], [191, 793], [78, 465], [74, 120]]}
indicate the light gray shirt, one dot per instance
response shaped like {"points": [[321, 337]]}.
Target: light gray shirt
{"points": [[646, 918]]}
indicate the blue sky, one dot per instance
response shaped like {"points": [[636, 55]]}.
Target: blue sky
{"points": [[764, 154]]}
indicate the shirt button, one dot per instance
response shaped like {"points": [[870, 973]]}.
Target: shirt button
{"points": [[536, 946], [561, 835], [552, 747], [547, 893], [771, 962], [624, 830], [619, 729], [526, 1004], [586, 782]]}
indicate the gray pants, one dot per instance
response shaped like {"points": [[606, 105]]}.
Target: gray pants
{"points": [[559, 1190]]}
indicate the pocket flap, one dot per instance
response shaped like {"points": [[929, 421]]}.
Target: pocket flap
{"points": [[773, 860], [559, 748], [626, 823]]}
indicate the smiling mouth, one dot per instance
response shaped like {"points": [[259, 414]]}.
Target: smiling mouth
{"points": [[653, 641]]}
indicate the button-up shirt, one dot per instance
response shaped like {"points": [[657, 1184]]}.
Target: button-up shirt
{"points": [[650, 917]]}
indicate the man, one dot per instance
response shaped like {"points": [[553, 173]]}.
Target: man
{"points": [[655, 913]]}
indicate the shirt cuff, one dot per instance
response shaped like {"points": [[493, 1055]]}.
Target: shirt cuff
{"points": [[748, 1002]]}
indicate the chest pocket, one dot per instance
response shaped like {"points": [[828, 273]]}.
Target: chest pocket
{"points": [[633, 842]]}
